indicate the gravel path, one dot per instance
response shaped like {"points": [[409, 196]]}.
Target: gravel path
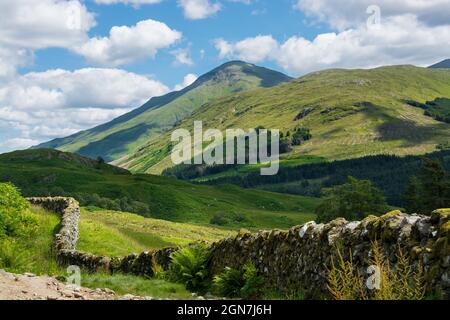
{"points": [[31, 287]]}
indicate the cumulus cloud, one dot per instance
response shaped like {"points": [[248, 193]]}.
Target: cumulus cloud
{"points": [[253, 50], [127, 44], [199, 9], [398, 39], [343, 14], [28, 25], [187, 81], [55, 103], [36, 24], [182, 57], [135, 3], [17, 143]]}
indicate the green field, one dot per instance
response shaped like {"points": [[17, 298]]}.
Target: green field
{"points": [[35, 254], [113, 233], [351, 113], [50, 172]]}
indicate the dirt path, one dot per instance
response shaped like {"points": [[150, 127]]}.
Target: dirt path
{"points": [[31, 287]]}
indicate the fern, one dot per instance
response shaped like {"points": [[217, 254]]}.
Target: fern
{"points": [[190, 266]]}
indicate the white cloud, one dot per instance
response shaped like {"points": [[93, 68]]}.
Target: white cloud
{"points": [[45, 105], [199, 9], [343, 14], [402, 39], [28, 25], [135, 3], [253, 50], [17, 144], [127, 44], [99, 88], [36, 24], [182, 57], [187, 81]]}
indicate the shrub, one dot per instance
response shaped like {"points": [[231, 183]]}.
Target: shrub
{"points": [[222, 218], [229, 283], [354, 200], [14, 220], [219, 219], [245, 283], [13, 256], [405, 281], [11, 199], [190, 266]]}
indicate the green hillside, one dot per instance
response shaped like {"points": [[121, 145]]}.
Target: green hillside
{"points": [[111, 233], [350, 113], [49, 172], [130, 131]]}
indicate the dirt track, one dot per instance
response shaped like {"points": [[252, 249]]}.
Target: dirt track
{"points": [[31, 287]]}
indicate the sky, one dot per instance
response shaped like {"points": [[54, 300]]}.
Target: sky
{"points": [[69, 65]]}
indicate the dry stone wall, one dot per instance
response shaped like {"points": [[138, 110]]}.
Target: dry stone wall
{"points": [[297, 258], [301, 257], [67, 237]]}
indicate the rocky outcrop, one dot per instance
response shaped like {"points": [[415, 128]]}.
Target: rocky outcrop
{"points": [[301, 257], [293, 259]]}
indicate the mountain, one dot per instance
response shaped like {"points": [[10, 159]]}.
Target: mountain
{"points": [[350, 114], [41, 172], [443, 64], [128, 132]]}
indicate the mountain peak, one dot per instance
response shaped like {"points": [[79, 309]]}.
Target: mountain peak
{"points": [[445, 64], [238, 70], [117, 138]]}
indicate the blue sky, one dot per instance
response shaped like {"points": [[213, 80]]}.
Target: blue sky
{"points": [[234, 22], [69, 65]]}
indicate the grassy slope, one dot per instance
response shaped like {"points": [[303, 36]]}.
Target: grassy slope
{"points": [[36, 256], [125, 134], [117, 233], [33, 255], [37, 171], [354, 113]]}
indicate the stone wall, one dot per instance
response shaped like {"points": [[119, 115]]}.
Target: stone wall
{"points": [[69, 209], [297, 258], [66, 241], [301, 257]]}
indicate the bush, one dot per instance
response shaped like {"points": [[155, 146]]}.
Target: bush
{"points": [[222, 218], [11, 199], [14, 220], [245, 283], [354, 200], [229, 283], [14, 257], [219, 219], [190, 267]]}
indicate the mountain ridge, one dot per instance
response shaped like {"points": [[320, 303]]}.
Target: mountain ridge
{"points": [[444, 64], [351, 113], [125, 133]]}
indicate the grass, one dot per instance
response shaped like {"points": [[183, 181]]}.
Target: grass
{"points": [[354, 113], [113, 233], [33, 254], [42, 172], [126, 284]]}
